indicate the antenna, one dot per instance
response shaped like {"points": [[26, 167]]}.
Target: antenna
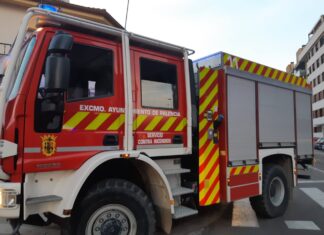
{"points": [[126, 13]]}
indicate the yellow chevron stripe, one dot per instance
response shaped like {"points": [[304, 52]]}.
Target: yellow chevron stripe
{"points": [[211, 180], [282, 74], [226, 58], [204, 138], [244, 64], [75, 120], [267, 73], [203, 157], [97, 122], [203, 73], [181, 125], [274, 75], [117, 123], [139, 120], [212, 195], [237, 170], [260, 70], [153, 123], [211, 79], [304, 83], [287, 78], [247, 169], [252, 67], [299, 81], [168, 124], [293, 81], [203, 193], [256, 169], [210, 164], [207, 101], [202, 124]]}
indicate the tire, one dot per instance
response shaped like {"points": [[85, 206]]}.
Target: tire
{"points": [[115, 206], [274, 199]]}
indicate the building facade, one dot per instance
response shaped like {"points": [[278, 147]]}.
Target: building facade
{"points": [[12, 12], [310, 63]]}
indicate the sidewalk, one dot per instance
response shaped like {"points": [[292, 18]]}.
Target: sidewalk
{"points": [[5, 229]]}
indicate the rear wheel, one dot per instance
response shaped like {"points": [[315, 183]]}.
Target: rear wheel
{"points": [[115, 206], [274, 199]]}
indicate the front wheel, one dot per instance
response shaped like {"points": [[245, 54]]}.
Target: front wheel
{"points": [[115, 206], [274, 199]]}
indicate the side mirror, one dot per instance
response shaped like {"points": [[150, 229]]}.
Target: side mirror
{"points": [[218, 121], [57, 68]]}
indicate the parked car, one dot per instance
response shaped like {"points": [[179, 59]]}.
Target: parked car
{"points": [[319, 144]]}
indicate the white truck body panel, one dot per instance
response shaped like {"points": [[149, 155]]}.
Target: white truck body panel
{"points": [[241, 119]]}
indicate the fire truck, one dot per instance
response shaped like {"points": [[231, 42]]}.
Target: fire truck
{"points": [[108, 132]]}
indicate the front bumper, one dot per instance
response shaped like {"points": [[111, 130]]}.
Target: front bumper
{"points": [[9, 205]]}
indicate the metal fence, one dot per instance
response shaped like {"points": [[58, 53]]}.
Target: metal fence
{"points": [[4, 48]]}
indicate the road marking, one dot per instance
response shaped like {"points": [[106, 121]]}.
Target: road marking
{"points": [[244, 215], [315, 169], [315, 194], [304, 225], [310, 181]]}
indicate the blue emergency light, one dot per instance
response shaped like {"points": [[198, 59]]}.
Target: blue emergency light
{"points": [[48, 7]]}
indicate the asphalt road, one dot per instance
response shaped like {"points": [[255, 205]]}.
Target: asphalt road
{"points": [[305, 214]]}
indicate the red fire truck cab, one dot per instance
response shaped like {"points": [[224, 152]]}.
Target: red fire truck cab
{"points": [[108, 132]]}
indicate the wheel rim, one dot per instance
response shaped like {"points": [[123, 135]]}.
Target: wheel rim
{"points": [[112, 219], [276, 191]]}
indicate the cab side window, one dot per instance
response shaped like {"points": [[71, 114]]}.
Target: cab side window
{"points": [[91, 73], [91, 76], [158, 84]]}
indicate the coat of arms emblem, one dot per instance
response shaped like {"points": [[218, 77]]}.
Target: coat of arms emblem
{"points": [[48, 145]]}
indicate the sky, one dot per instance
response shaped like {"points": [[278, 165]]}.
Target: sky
{"points": [[266, 31]]}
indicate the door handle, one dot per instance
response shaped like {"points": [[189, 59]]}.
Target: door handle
{"points": [[110, 140]]}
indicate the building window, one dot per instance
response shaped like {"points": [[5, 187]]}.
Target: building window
{"points": [[322, 59], [313, 67], [318, 129], [317, 63], [158, 84], [322, 41]]}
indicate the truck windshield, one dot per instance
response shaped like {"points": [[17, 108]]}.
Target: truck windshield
{"points": [[20, 67]]}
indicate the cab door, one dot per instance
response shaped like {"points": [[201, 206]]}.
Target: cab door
{"points": [[93, 119], [160, 115]]}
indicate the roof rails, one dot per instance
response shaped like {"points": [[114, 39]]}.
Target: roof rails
{"points": [[68, 20]]}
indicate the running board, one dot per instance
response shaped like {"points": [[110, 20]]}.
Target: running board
{"points": [[176, 171], [183, 211], [181, 191], [43, 199]]}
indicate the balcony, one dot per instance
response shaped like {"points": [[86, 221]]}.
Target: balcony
{"points": [[4, 48]]}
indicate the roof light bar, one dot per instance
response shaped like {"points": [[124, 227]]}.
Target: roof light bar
{"points": [[48, 7]]}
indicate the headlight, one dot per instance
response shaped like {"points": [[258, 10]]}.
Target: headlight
{"points": [[8, 198]]}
